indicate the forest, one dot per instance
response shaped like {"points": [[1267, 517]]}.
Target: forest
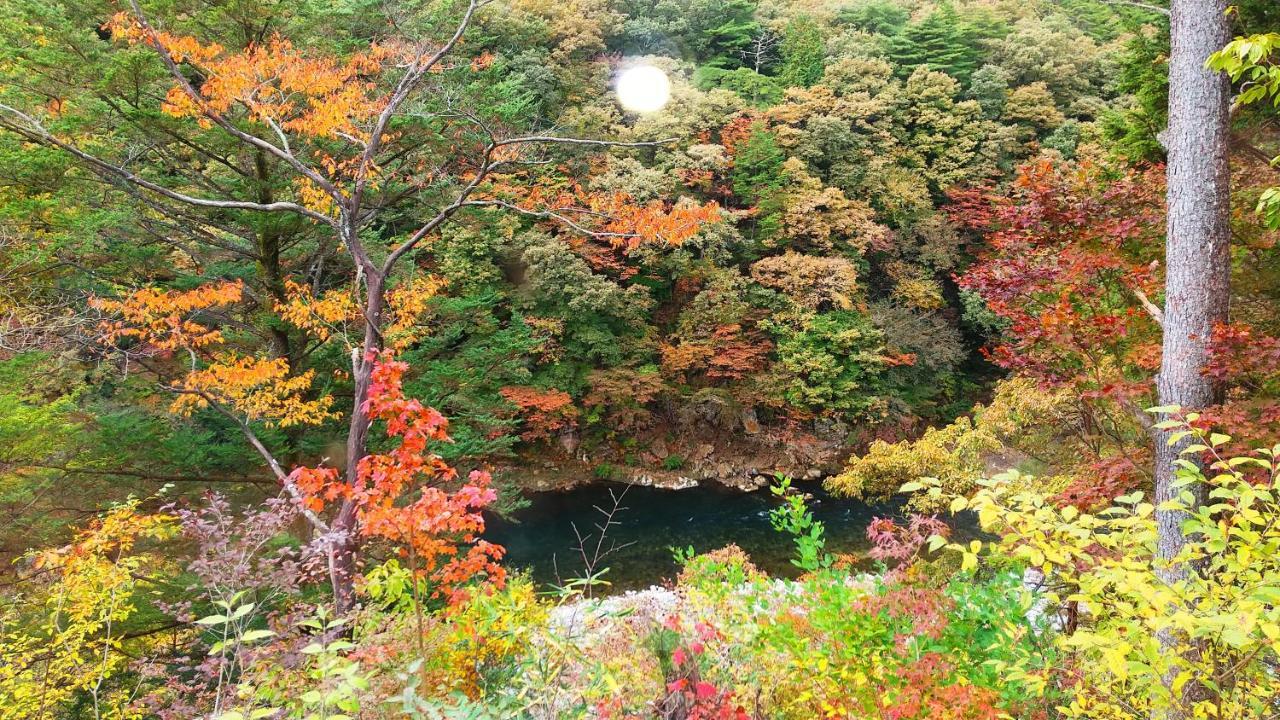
{"points": [[973, 304]]}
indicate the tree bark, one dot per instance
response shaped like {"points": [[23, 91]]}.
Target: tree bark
{"points": [[343, 554], [1197, 261]]}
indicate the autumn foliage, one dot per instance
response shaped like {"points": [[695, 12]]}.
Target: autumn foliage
{"points": [[409, 497], [615, 217], [304, 265], [1070, 254], [167, 320], [77, 644], [275, 82], [544, 412], [151, 323], [1072, 271]]}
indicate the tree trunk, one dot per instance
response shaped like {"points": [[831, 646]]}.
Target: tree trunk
{"points": [[1197, 257], [343, 554]]}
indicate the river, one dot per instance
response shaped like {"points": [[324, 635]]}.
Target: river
{"points": [[651, 521]]}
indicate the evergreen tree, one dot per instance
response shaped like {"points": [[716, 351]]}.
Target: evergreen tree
{"points": [[802, 53], [1145, 77], [875, 16], [708, 32], [758, 177], [1197, 291], [723, 44], [757, 165], [945, 42]]}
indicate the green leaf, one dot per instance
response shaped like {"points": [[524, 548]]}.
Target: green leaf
{"points": [[212, 620], [1269, 595]]}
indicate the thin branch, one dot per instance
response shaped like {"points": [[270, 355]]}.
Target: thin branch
{"points": [[36, 132], [286, 479], [1255, 152], [408, 83], [1152, 309], [555, 139], [547, 215], [140, 475]]}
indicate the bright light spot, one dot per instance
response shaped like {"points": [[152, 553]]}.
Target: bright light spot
{"points": [[643, 89]]}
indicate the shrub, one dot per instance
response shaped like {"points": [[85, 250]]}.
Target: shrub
{"points": [[1103, 573], [726, 567]]}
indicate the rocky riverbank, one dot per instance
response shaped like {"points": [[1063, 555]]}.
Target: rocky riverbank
{"points": [[738, 467]]}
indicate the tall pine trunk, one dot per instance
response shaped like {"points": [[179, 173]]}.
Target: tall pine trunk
{"points": [[1197, 258]]}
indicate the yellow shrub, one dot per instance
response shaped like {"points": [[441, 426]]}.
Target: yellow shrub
{"points": [[952, 454], [485, 637], [71, 641], [956, 454], [1223, 620]]}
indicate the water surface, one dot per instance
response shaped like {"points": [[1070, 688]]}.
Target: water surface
{"points": [[651, 521]]}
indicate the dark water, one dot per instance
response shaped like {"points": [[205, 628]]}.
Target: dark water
{"points": [[651, 521]]}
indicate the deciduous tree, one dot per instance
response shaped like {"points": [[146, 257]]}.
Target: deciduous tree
{"points": [[337, 127]]}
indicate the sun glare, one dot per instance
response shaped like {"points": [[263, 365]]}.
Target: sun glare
{"points": [[643, 89]]}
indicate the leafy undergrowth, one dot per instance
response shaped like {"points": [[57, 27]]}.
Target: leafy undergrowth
{"points": [[724, 641], [1058, 613]]}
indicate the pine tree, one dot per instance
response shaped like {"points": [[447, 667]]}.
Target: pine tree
{"points": [[802, 53], [945, 42]]}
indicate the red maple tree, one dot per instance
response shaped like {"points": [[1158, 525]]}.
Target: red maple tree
{"points": [[409, 496]]}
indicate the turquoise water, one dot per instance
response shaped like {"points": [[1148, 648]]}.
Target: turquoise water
{"points": [[541, 539]]}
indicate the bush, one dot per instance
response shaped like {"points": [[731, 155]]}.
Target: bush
{"points": [[727, 567], [1103, 573]]}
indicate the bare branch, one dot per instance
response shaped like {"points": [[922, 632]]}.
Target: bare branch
{"points": [[554, 139], [459, 202], [31, 129], [547, 215], [286, 479], [1152, 309], [140, 475], [408, 83], [1241, 143]]}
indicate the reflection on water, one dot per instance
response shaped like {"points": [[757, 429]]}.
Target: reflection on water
{"points": [[652, 521]]}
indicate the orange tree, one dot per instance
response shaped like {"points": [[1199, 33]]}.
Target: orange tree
{"points": [[379, 149]]}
